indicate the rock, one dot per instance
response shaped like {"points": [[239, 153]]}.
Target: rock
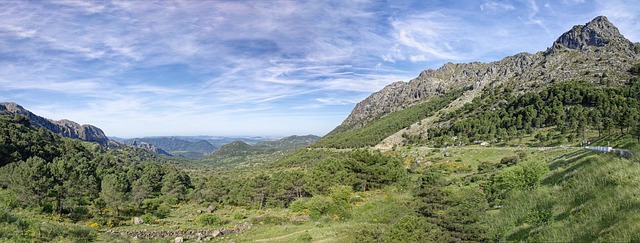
{"points": [[215, 233], [137, 221], [598, 32], [150, 147], [447, 154], [210, 209], [178, 240]]}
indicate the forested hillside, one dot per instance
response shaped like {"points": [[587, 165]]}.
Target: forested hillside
{"points": [[572, 108], [79, 181]]}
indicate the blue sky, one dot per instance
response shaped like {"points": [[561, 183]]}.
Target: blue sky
{"points": [[269, 68]]}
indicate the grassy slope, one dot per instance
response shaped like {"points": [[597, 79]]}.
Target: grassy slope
{"points": [[585, 197], [344, 136]]}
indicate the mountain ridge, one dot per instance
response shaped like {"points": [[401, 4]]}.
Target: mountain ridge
{"points": [[63, 127], [595, 52], [595, 37]]}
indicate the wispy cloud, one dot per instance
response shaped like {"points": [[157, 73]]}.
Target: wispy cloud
{"points": [[496, 6]]}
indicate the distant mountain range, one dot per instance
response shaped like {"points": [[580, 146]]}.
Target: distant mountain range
{"points": [[240, 152], [193, 147], [180, 146]]}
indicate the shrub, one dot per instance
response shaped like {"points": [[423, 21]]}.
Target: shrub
{"points": [[306, 237], [147, 218], [209, 219], [163, 211], [411, 228], [523, 176], [510, 160], [269, 219], [367, 233]]}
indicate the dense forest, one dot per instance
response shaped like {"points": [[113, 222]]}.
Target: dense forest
{"points": [[572, 108]]}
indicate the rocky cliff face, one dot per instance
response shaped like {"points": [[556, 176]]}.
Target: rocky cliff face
{"points": [[149, 147], [65, 128], [595, 52]]}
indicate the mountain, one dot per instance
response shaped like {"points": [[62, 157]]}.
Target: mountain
{"points": [[595, 52], [240, 152], [179, 146], [65, 128], [290, 142], [237, 148]]}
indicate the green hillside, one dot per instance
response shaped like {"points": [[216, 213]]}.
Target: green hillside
{"points": [[345, 136]]}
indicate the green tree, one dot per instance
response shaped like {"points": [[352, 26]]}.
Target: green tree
{"points": [[329, 172], [114, 191], [32, 181], [141, 189], [175, 184]]}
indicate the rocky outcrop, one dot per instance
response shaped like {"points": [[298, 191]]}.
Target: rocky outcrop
{"points": [[595, 52], [65, 128], [150, 147], [599, 32]]}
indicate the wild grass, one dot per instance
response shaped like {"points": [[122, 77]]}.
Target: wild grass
{"points": [[593, 197]]}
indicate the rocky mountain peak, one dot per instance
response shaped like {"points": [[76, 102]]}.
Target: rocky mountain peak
{"points": [[65, 128], [597, 32]]}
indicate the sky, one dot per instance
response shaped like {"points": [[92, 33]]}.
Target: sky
{"points": [[255, 68]]}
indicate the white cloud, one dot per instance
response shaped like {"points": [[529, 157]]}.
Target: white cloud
{"points": [[495, 6]]}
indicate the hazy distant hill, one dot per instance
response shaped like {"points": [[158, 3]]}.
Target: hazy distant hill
{"points": [[193, 147], [240, 152], [176, 144]]}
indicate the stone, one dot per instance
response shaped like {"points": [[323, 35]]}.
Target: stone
{"points": [[178, 240], [137, 221]]}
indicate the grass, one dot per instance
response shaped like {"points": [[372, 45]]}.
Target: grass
{"points": [[591, 197]]}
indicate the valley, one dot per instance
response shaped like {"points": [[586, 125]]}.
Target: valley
{"points": [[471, 152]]}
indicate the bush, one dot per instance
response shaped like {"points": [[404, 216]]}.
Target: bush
{"points": [[367, 233], [306, 237], [336, 205], [510, 160], [163, 211], [269, 219], [209, 219], [147, 218], [411, 228], [315, 206], [82, 234], [523, 176]]}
